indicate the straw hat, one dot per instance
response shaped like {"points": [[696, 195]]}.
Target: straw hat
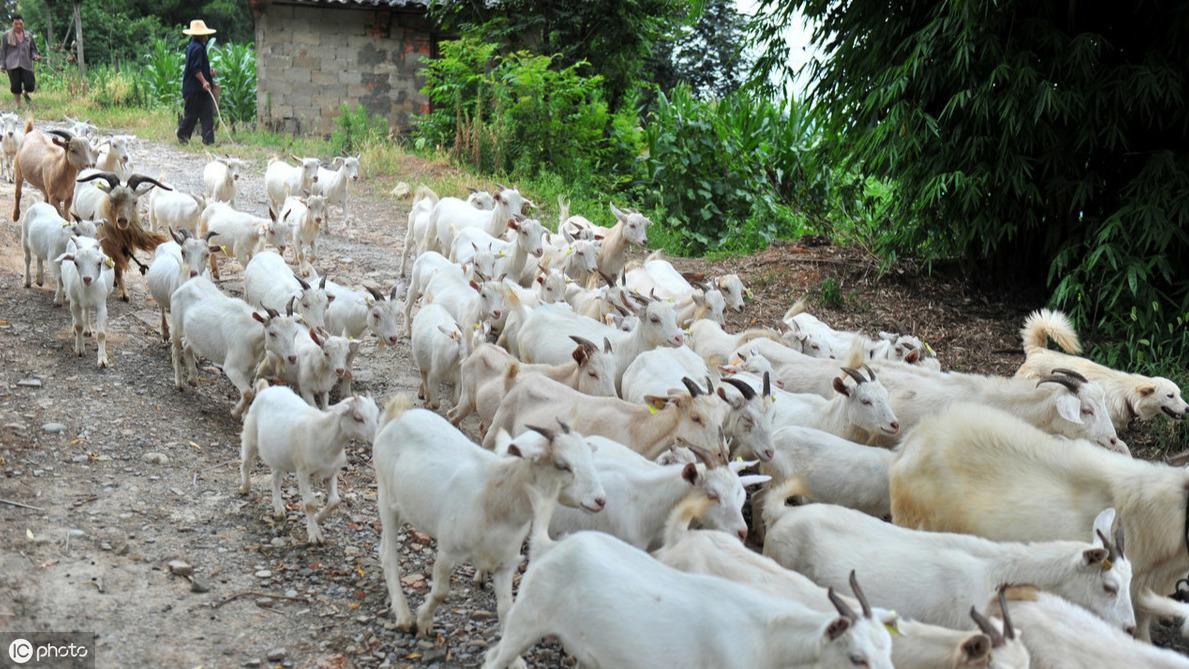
{"points": [[198, 27]]}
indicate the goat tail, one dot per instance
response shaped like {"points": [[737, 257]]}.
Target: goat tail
{"points": [[774, 506], [563, 211], [28, 124], [799, 307], [856, 355], [393, 410], [658, 254], [757, 333], [424, 192], [677, 525], [1045, 324]]}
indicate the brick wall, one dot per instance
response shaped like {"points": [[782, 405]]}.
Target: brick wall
{"points": [[311, 60]]}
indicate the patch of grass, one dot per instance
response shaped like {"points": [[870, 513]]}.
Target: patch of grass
{"points": [[829, 293]]}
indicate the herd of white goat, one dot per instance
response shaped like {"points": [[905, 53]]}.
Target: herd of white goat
{"points": [[620, 426]]}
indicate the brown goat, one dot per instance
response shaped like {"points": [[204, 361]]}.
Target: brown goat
{"points": [[121, 234], [50, 164]]}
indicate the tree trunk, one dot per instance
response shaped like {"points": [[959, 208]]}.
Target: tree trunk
{"points": [[50, 39], [78, 37]]}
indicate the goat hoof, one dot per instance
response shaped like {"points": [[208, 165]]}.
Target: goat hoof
{"points": [[406, 625], [123, 298]]}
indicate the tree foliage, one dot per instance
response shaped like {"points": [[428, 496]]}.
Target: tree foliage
{"points": [[614, 37], [709, 56], [1040, 140]]}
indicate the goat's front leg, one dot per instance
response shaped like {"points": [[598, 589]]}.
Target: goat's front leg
{"points": [[76, 319], [313, 532], [438, 591], [323, 400], [278, 500], [101, 333], [501, 581]]}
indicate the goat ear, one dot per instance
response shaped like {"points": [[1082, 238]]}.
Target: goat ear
{"points": [[837, 628], [656, 402], [840, 387], [1069, 407], [976, 647], [1094, 556], [257, 316], [913, 357], [690, 473], [1145, 390], [754, 479]]}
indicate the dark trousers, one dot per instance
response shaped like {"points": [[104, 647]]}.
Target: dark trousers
{"points": [[198, 107]]}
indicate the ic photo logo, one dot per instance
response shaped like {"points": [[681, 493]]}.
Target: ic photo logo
{"points": [[47, 650], [20, 651]]}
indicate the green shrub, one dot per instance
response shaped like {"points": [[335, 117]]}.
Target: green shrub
{"points": [[159, 79], [235, 66], [726, 172], [354, 128]]}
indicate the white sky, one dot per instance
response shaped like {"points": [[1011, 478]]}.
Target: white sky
{"points": [[797, 34]]}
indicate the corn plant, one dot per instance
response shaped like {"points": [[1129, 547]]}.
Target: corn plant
{"points": [[235, 66]]}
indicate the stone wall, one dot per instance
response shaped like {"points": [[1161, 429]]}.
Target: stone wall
{"points": [[311, 60]]}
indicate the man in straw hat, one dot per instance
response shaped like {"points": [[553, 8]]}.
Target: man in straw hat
{"points": [[197, 81], [17, 52]]}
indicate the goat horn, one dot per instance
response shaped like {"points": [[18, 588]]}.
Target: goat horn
{"points": [[606, 345], [584, 343], [1008, 631], [322, 283], [1070, 373], [565, 428], [302, 282], [177, 237], [207, 236], [380, 297], [854, 374], [110, 177], [289, 306], [744, 389], [137, 179], [869, 371], [987, 628], [767, 384], [1111, 548], [543, 431], [854, 586], [61, 133], [609, 279], [843, 610], [692, 387], [1069, 382], [1119, 540], [272, 313]]}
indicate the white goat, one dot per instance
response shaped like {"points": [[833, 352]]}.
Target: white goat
{"points": [[483, 377], [914, 645], [1063, 635], [44, 236], [485, 518], [175, 210], [87, 279], [115, 155], [949, 573], [451, 215], [333, 185], [175, 263], [439, 345], [953, 472], [270, 282], [219, 177], [291, 436], [11, 135], [240, 234], [642, 494], [226, 331], [282, 180], [304, 215], [353, 312], [424, 200], [748, 424], [322, 362], [712, 622], [833, 470]]}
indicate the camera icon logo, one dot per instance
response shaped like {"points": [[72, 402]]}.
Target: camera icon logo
{"points": [[20, 651]]}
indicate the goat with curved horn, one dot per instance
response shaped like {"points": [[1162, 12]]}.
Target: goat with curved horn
{"points": [[1069, 382]]}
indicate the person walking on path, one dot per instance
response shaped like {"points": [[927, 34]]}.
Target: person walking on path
{"points": [[197, 81], [18, 52]]}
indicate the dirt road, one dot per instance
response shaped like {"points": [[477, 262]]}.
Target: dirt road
{"points": [[85, 446]]}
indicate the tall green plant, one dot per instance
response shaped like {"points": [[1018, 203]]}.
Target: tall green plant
{"points": [[159, 79], [236, 68]]}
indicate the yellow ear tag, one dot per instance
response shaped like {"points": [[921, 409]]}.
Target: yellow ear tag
{"points": [[651, 409], [108, 262], [476, 326], [891, 629], [929, 349], [223, 247], [569, 251], [65, 224], [369, 300], [502, 254], [1107, 564]]}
